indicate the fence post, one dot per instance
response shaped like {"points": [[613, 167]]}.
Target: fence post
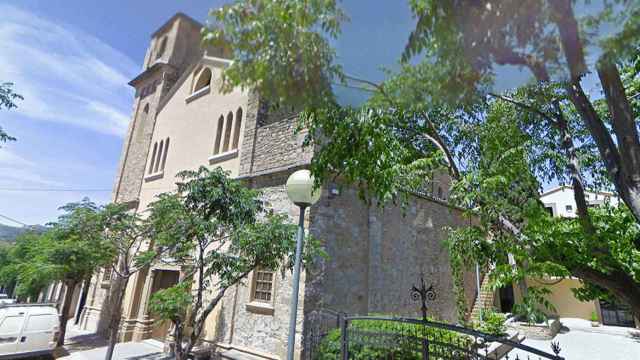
{"points": [[425, 349], [344, 339]]}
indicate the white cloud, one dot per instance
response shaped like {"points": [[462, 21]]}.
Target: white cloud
{"points": [[65, 75], [18, 172]]}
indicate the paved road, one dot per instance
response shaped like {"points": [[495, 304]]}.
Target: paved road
{"points": [[579, 341]]}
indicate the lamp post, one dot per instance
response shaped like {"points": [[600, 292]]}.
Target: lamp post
{"points": [[300, 191]]}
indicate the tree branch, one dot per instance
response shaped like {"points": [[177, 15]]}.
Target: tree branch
{"points": [[527, 107]]}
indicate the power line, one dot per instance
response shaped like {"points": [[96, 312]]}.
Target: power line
{"points": [[55, 190], [13, 220]]}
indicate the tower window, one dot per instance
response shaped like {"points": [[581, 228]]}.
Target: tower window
{"points": [[204, 80], [161, 48]]}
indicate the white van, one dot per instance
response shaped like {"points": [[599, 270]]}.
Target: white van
{"points": [[28, 330]]}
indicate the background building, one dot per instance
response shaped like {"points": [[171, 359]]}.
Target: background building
{"points": [[559, 201]]}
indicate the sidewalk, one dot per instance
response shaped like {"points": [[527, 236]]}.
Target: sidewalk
{"points": [[84, 345], [578, 340]]}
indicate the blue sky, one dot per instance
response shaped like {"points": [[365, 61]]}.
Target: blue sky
{"points": [[72, 59]]}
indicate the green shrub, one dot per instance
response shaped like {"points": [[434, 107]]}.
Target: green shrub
{"points": [[379, 339], [493, 323], [529, 309]]}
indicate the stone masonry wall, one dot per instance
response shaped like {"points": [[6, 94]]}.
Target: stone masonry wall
{"points": [[376, 255], [271, 142], [263, 329]]}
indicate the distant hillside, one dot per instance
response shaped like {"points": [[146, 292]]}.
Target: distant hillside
{"points": [[10, 233]]}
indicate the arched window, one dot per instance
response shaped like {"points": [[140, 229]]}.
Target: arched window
{"points": [[164, 156], [227, 132], [236, 129], [216, 147], [204, 80], [161, 47], [160, 151], [440, 193], [153, 157]]}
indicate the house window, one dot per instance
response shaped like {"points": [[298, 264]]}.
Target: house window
{"points": [[549, 209], [106, 275], [161, 47], [569, 208], [262, 285], [204, 80]]}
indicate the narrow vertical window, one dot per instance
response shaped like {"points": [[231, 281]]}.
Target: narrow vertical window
{"points": [[227, 132], [162, 47], [153, 157], [216, 148], [157, 164], [164, 155], [236, 129]]}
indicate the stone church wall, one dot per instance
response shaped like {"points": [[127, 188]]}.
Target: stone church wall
{"points": [[377, 254]]}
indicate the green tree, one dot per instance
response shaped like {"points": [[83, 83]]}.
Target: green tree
{"points": [[126, 233], [73, 250], [22, 268], [7, 100], [440, 112], [220, 231]]}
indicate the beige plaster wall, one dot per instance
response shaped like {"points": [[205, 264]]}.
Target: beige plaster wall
{"points": [[565, 303], [562, 298], [191, 127]]}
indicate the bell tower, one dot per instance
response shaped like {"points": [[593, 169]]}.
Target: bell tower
{"points": [[173, 47]]}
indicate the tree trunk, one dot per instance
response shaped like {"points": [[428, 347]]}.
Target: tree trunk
{"points": [[64, 313], [177, 338], [618, 283], [120, 287], [624, 126]]}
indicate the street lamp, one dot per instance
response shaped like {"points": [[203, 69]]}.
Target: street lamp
{"points": [[301, 192]]}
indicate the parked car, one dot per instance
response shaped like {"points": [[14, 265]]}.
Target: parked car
{"points": [[4, 299], [28, 330]]}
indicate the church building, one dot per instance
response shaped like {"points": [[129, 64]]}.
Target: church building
{"points": [[182, 121]]}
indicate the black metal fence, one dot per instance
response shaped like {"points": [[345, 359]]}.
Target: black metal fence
{"points": [[332, 335], [337, 336], [407, 338]]}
